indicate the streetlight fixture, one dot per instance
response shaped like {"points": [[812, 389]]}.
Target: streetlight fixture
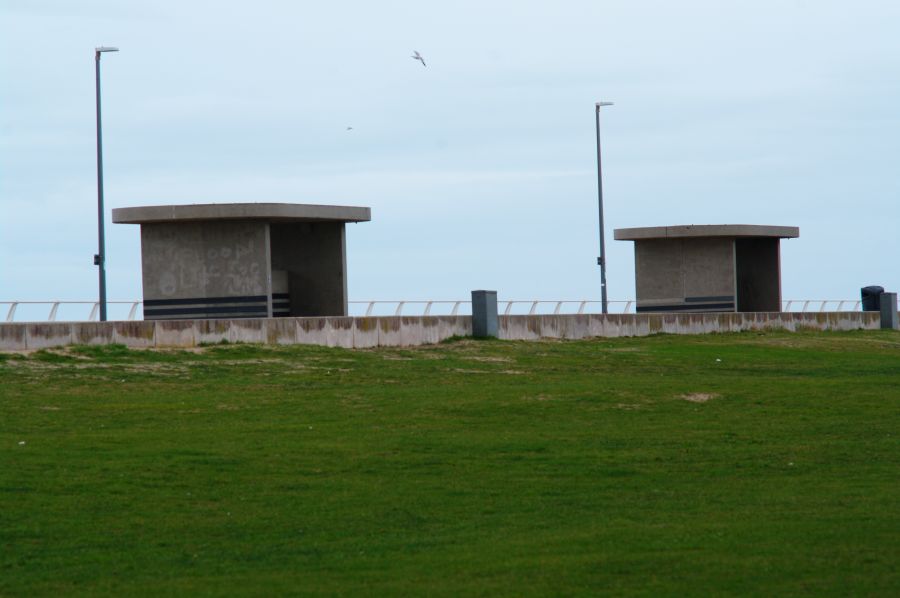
{"points": [[100, 257], [601, 261]]}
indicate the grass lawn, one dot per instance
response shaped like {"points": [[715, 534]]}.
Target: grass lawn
{"points": [[720, 464]]}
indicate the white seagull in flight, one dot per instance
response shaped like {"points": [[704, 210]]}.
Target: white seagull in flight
{"points": [[417, 56]]}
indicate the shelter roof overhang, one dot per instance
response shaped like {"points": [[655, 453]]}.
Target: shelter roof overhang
{"points": [[272, 212], [706, 230]]}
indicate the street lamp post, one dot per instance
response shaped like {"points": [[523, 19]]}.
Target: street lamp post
{"points": [[100, 257], [601, 261]]}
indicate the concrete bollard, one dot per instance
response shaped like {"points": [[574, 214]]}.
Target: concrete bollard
{"points": [[889, 316], [484, 314]]}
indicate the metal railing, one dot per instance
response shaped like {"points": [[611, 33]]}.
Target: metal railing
{"points": [[506, 307], [573, 306], [55, 305], [822, 303], [445, 307]]}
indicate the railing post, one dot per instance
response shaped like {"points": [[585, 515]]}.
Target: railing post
{"points": [[508, 309], [399, 308], [12, 311], [133, 311], [558, 307], [93, 315], [52, 316], [627, 307], [581, 307], [455, 308], [428, 308], [533, 308], [370, 308]]}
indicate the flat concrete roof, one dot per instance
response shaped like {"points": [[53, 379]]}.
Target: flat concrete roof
{"points": [[275, 212], [706, 230]]}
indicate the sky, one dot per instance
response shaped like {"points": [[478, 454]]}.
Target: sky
{"points": [[480, 168]]}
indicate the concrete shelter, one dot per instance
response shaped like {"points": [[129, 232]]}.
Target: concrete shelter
{"points": [[245, 260], [708, 268]]}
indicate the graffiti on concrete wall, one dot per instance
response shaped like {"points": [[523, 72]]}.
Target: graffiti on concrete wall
{"points": [[192, 260]]}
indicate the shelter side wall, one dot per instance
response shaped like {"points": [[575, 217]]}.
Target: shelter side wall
{"points": [[689, 275], [709, 273], [657, 268], [205, 270], [758, 274], [314, 256]]}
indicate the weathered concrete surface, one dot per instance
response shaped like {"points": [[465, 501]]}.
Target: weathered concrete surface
{"points": [[12, 337], [361, 333], [707, 268], [706, 230], [188, 268], [93, 333], [177, 333], [140, 334], [245, 260], [271, 212], [694, 274], [365, 332], [40, 336], [596, 325]]}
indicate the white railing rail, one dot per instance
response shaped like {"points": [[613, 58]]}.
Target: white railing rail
{"points": [[838, 304], [578, 306], [54, 308], [449, 307]]}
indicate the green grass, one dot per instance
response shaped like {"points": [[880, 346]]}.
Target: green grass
{"points": [[467, 468]]}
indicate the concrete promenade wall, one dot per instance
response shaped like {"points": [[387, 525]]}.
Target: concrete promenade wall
{"points": [[396, 331]]}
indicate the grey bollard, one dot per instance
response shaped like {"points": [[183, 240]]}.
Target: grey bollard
{"points": [[889, 317], [484, 314]]}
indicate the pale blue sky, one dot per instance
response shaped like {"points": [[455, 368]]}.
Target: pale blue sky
{"points": [[480, 168]]}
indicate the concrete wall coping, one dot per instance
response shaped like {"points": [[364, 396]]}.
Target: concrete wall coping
{"points": [[706, 230], [275, 212]]}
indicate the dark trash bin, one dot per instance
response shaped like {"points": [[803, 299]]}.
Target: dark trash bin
{"points": [[871, 298]]}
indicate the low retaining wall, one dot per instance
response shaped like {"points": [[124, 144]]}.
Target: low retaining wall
{"points": [[407, 330], [596, 325]]}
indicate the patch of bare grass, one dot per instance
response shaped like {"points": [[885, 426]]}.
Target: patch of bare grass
{"points": [[540, 397], [699, 397], [488, 359], [471, 371]]}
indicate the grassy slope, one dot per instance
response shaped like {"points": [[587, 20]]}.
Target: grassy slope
{"points": [[476, 467]]}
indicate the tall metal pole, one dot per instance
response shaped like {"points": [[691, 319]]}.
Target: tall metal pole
{"points": [[602, 259], [100, 257]]}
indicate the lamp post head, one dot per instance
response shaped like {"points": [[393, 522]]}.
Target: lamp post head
{"points": [[105, 49], [601, 104]]}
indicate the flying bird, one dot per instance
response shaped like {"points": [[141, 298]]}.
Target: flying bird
{"points": [[349, 128], [417, 56]]}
